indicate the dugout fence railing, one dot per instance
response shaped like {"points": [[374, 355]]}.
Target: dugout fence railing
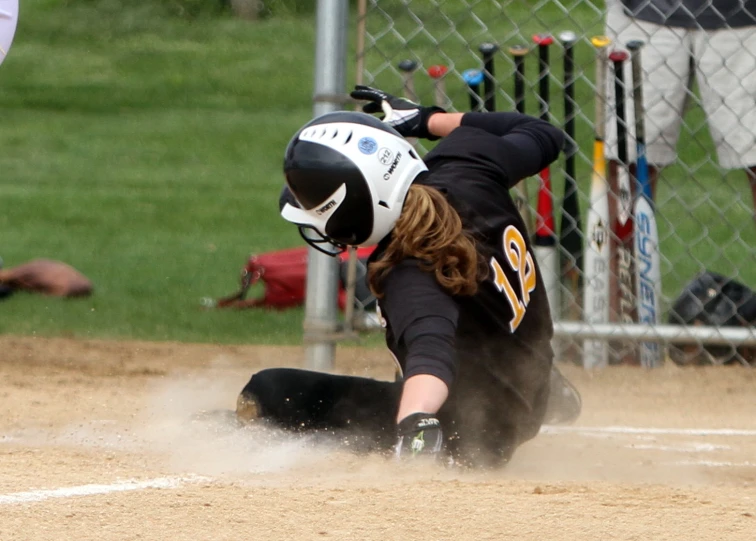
{"points": [[432, 49]]}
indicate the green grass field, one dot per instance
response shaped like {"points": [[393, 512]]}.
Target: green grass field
{"points": [[145, 149]]}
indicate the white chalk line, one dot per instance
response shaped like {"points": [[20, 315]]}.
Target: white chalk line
{"points": [[716, 463], [684, 448], [34, 496], [639, 433], [552, 429]]}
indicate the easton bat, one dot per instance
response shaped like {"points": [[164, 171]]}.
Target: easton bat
{"points": [[623, 288], [596, 275], [473, 79], [408, 67], [437, 73], [545, 239], [570, 226], [647, 256], [522, 199], [487, 51]]}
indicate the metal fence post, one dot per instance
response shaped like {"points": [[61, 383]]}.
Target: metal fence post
{"points": [[321, 313]]}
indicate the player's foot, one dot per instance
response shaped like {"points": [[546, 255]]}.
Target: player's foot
{"points": [[565, 403], [247, 409]]}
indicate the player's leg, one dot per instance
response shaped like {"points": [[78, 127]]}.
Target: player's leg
{"points": [[727, 80], [306, 401], [499, 401]]}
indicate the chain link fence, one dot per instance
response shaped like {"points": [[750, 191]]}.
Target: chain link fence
{"points": [[436, 50]]}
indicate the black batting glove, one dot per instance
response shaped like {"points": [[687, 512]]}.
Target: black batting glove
{"points": [[410, 119], [419, 435]]}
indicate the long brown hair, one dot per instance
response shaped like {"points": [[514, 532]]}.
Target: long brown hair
{"points": [[429, 229]]}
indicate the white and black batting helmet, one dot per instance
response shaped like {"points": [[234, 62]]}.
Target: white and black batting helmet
{"points": [[350, 174]]}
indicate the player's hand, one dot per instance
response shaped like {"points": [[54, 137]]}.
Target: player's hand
{"points": [[419, 436], [410, 119]]}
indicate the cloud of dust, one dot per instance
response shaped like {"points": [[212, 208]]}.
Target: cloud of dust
{"points": [[190, 421], [188, 426]]}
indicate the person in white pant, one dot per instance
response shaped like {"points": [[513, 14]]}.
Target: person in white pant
{"points": [[711, 40]]}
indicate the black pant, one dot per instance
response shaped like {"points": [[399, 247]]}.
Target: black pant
{"points": [[491, 410]]}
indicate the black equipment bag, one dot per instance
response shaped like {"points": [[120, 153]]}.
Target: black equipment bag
{"points": [[714, 300]]}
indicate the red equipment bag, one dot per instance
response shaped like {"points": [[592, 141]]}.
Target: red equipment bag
{"points": [[284, 274]]}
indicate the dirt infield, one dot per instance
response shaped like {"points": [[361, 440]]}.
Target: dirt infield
{"points": [[107, 441]]}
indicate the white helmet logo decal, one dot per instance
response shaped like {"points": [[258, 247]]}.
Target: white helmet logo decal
{"points": [[385, 156]]}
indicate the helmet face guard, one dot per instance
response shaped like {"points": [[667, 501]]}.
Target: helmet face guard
{"points": [[349, 174], [320, 242], [311, 228]]}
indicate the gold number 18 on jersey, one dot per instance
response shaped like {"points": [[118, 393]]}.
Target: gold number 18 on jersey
{"points": [[520, 261]]}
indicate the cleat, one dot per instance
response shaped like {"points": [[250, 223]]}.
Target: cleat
{"points": [[247, 409]]}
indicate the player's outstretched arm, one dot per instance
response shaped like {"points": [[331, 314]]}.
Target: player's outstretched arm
{"points": [[524, 144]]}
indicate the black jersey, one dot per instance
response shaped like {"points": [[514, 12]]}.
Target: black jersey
{"points": [[431, 331]]}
